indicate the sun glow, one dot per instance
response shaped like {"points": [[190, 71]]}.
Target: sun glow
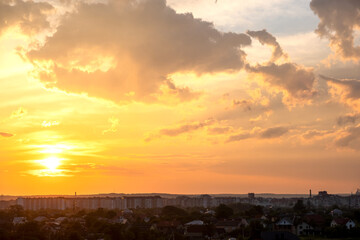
{"points": [[54, 149], [51, 163]]}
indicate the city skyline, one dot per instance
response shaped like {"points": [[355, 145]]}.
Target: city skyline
{"points": [[179, 96]]}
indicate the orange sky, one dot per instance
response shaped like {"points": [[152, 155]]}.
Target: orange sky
{"points": [[185, 96]]}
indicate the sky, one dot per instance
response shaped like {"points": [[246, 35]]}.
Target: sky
{"points": [[179, 96]]}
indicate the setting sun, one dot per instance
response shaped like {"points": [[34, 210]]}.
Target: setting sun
{"points": [[51, 163]]}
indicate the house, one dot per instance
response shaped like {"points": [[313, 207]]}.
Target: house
{"points": [[194, 229], [40, 219], [120, 220], [348, 223], [304, 229], [336, 213], [127, 212], [19, 220], [210, 212], [168, 226], [227, 226], [279, 235], [285, 224], [59, 220], [195, 222]]}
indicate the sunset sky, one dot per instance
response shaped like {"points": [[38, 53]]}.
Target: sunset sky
{"points": [[179, 96]]}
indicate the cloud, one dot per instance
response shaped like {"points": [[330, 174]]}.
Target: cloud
{"points": [[266, 38], [351, 138], [3, 134], [348, 119], [20, 113], [347, 90], [128, 46], [219, 130], [274, 132], [184, 128], [182, 94], [245, 104], [29, 16], [239, 137], [338, 22], [47, 124], [114, 125], [297, 81], [315, 133]]}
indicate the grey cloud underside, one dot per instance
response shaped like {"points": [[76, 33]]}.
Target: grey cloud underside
{"points": [[297, 80], [351, 140], [185, 128], [338, 22], [30, 16], [348, 119], [274, 132], [353, 86], [266, 38]]}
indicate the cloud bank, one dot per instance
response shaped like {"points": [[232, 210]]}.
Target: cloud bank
{"points": [[29, 16], [338, 22], [125, 50]]}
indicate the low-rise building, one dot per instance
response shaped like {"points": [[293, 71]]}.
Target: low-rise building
{"points": [[348, 223]]}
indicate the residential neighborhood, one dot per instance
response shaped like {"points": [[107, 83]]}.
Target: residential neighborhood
{"points": [[237, 220]]}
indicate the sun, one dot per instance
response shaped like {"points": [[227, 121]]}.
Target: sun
{"points": [[51, 163]]}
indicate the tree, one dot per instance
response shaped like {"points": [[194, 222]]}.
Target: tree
{"points": [[16, 211], [255, 229], [254, 211], [171, 212], [223, 211], [299, 207]]}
